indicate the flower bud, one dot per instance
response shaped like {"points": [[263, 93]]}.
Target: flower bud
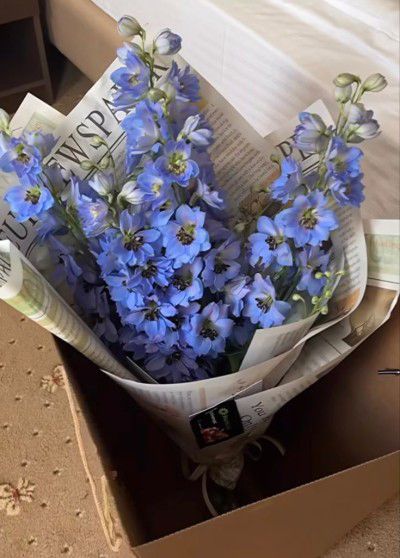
{"points": [[129, 26], [96, 141], [342, 80], [374, 83], [104, 163], [4, 121], [167, 42], [86, 165], [343, 94]]}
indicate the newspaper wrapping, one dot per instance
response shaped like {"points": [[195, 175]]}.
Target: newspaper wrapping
{"points": [[281, 362]]}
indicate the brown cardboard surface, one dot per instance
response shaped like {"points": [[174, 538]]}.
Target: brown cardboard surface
{"points": [[302, 523], [347, 419]]}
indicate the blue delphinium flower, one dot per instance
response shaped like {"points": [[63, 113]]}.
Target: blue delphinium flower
{"points": [[144, 127], [93, 216], [138, 345], [27, 200], [235, 292], [210, 329], [221, 265], [209, 196], [196, 132], [347, 191], [242, 331], [52, 225], [22, 158], [155, 271], [167, 43], [104, 327], [217, 230], [122, 288], [153, 188], [185, 83], [106, 256], [269, 244], [313, 263], [342, 160], [185, 237], [182, 323], [308, 221], [65, 266], [38, 140], [175, 363], [132, 78], [135, 244], [185, 285], [360, 124], [285, 187], [312, 134], [261, 305], [175, 163], [153, 318]]}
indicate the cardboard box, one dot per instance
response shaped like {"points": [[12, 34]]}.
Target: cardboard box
{"points": [[341, 435]]}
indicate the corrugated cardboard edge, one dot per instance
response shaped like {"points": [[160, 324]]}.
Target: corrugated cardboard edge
{"points": [[301, 523]]}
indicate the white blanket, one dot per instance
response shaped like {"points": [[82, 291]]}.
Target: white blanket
{"points": [[272, 58]]}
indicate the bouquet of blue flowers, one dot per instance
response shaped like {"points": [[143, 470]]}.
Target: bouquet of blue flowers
{"points": [[154, 257], [156, 261]]}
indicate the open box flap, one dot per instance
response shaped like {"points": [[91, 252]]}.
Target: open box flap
{"points": [[301, 523]]}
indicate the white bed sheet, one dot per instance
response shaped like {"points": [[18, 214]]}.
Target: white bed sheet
{"points": [[272, 58]]}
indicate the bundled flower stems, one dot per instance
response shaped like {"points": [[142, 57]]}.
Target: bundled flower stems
{"points": [[200, 295]]}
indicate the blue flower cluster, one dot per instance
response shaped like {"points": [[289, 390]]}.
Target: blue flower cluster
{"points": [[150, 251]]}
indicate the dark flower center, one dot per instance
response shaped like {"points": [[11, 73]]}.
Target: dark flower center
{"points": [[149, 271], [185, 235], [22, 157], [134, 80], [166, 205], [177, 163], [209, 330], [153, 312], [265, 303], [220, 266], [309, 218], [177, 321], [33, 195], [340, 165], [182, 282], [272, 242], [174, 357], [133, 241]]}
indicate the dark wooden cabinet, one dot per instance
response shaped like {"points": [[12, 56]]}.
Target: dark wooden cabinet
{"points": [[23, 63]]}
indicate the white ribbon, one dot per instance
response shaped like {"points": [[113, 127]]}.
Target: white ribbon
{"points": [[227, 473]]}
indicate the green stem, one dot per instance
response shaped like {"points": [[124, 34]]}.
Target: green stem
{"points": [[72, 223]]}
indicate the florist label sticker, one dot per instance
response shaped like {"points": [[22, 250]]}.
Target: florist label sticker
{"points": [[216, 424]]}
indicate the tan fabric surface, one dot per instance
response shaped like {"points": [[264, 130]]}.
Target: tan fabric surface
{"points": [[50, 503], [377, 536]]}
